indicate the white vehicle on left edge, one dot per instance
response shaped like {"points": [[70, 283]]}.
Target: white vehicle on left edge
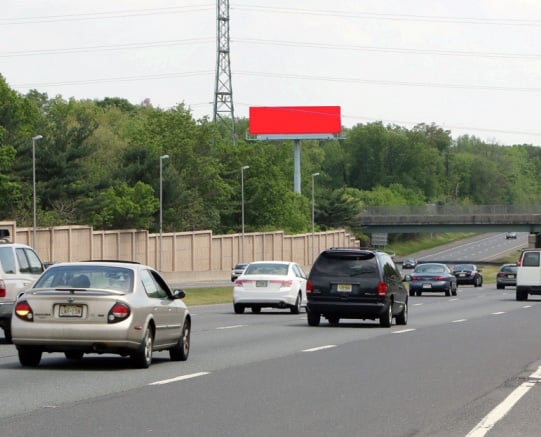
{"points": [[274, 284]]}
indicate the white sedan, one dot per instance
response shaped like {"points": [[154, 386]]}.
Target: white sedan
{"points": [[274, 284]]}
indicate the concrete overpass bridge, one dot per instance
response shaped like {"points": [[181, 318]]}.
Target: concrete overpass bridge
{"points": [[449, 218]]}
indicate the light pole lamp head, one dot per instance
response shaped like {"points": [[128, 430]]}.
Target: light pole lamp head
{"points": [[315, 174], [246, 167], [164, 157], [37, 137]]}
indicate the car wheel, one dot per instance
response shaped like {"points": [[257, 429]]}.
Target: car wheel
{"points": [[448, 292], [7, 335], [386, 319], [29, 357], [74, 355], [333, 320], [256, 310], [500, 287], [412, 292], [181, 350], [143, 357], [419, 293], [453, 291], [313, 318], [402, 318], [521, 295], [239, 309], [296, 309]]}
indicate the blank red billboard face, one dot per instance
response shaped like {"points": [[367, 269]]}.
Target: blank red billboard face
{"points": [[295, 120]]}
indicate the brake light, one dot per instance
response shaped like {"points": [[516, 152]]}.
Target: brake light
{"points": [[309, 286], [382, 289], [119, 312], [283, 282], [24, 311], [440, 278], [2, 288]]}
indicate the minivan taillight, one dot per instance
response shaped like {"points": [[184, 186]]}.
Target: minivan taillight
{"points": [[2, 288], [309, 286], [119, 312], [382, 289], [24, 311]]}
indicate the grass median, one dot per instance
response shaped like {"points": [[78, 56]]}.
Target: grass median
{"points": [[208, 295]]}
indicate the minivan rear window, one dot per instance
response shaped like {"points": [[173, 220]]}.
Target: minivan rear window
{"points": [[346, 265]]}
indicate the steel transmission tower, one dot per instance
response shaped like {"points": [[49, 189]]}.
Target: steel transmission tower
{"points": [[223, 90]]}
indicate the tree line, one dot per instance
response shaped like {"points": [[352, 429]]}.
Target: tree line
{"points": [[98, 164]]}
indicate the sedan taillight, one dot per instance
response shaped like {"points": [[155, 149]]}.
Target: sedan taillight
{"points": [[24, 311], [118, 313]]}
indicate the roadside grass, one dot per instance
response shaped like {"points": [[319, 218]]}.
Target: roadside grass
{"points": [[430, 241], [208, 295]]}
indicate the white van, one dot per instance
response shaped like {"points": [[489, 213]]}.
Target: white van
{"points": [[529, 273]]}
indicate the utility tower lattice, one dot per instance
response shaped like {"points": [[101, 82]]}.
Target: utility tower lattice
{"points": [[223, 90]]}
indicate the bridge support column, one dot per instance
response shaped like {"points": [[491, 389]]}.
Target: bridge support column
{"points": [[534, 240]]}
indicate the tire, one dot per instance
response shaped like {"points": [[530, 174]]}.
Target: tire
{"points": [[256, 310], [29, 357], [239, 309], [419, 293], [412, 292], [402, 318], [333, 320], [142, 359], [7, 335], [500, 287], [386, 319], [453, 291], [296, 308], [74, 355], [521, 295], [181, 350], [313, 318], [448, 292]]}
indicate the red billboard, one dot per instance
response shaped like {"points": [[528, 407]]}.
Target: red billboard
{"points": [[275, 120]]}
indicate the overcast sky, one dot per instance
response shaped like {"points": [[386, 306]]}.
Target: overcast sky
{"points": [[470, 66]]}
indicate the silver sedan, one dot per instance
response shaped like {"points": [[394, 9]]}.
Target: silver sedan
{"points": [[101, 307]]}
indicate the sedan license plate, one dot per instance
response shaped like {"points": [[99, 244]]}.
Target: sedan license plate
{"points": [[344, 288], [427, 285], [462, 275], [70, 310], [260, 283]]}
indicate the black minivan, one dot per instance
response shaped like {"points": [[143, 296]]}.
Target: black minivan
{"points": [[356, 284]]}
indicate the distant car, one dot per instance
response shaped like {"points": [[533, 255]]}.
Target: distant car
{"points": [[237, 271], [409, 263], [356, 284], [432, 277], [274, 284], [506, 276], [101, 307], [510, 235], [468, 274]]}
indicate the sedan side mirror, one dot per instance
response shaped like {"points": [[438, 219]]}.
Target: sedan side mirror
{"points": [[179, 294]]}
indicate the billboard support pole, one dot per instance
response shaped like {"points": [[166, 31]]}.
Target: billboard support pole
{"points": [[297, 167]]}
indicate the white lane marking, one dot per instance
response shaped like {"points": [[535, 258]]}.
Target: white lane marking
{"points": [[231, 327], [417, 304], [498, 313], [315, 349], [527, 306], [455, 298], [403, 330], [459, 320], [488, 422], [179, 378]]}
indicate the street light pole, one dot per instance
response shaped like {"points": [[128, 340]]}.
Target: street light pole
{"points": [[313, 220], [34, 139], [246, 167], [161, 208]]}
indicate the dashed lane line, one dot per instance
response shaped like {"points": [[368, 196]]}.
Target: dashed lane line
{"points": [[319, 348], [179, 378]]}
